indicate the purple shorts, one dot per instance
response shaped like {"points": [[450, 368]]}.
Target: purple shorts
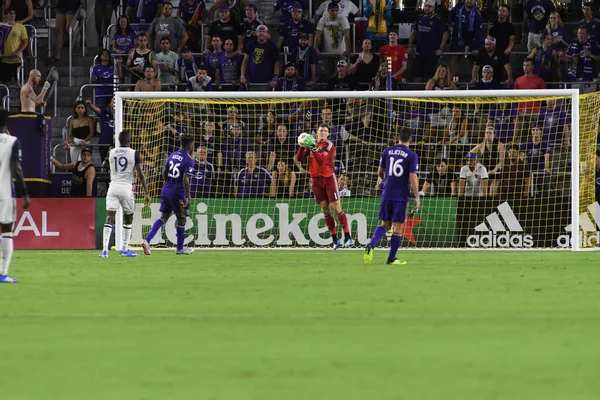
{"points": [[392, 210], [174, 204]]}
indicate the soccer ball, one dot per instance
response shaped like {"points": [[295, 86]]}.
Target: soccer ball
{"points": [[301, 139]]}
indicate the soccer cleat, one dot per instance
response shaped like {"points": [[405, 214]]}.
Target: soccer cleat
{"points": [[368, 257], [396, 262], [128, 253], [348, 243], [104, 254], [146, 247], [186, 251], [337, 244], [7, 279]]}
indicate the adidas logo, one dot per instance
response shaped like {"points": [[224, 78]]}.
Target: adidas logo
{"points": [[496, 234], [590, 237]]}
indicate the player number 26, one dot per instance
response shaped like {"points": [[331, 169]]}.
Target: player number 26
{"points": [[174, 170], [396, 168]]}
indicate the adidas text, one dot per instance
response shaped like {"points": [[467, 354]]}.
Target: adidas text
{"points": [[502, 240], [588, 239]]}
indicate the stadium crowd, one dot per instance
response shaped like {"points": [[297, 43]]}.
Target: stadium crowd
{"points": [[248, 150]]}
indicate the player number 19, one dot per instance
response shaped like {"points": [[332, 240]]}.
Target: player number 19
{"points": [[396, 168]]}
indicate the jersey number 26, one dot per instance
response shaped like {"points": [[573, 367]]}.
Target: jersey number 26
{"points": [[174, 170]]}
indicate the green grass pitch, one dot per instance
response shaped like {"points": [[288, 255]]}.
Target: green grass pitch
{"points": [[301, 325]]}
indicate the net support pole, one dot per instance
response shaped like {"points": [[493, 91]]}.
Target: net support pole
{"points": [[575, 168], [118, 228]]}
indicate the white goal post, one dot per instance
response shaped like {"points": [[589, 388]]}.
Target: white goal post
{"points": [[467, 98]]}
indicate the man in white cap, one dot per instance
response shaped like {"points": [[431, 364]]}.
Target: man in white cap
{"points": [[495, 58]]}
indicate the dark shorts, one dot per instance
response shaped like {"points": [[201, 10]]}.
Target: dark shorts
{"points": [[65, 11], [424, 66], [174, 204], [392, 210], [325, 189]]}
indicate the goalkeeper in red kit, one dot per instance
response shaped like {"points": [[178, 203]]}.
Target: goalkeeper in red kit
{"points": [[321, 157]]}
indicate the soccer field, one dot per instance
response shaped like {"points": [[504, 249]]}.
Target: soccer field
{"points": [[301, 325]]}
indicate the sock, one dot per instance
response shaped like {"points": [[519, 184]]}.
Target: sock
{"points": [[330, 222], [377, 235], [7, 250], [155, 228], [180, 236], [344, 224], [106, 236], [126, 236], [394, 245]]}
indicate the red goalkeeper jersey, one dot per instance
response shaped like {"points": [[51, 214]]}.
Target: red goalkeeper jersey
{"points": [[320, 162]]}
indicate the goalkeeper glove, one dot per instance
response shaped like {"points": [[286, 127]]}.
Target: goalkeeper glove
{"points": [[310, 143]]}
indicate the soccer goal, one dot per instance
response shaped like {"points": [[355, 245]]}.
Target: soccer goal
{"points": [[498, 169]]}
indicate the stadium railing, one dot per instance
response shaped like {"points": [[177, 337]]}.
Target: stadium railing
{"points": [[78, 25], [33, 43], [5, 96]]}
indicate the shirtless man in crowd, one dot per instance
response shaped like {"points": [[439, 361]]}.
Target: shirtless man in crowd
{"points": [[30, 100]]}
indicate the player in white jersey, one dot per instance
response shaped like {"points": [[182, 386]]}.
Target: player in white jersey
{"points": [[123, 162], [10, 167]]}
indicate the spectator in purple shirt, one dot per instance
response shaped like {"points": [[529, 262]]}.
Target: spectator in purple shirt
{"points": [[466, 35], [591, 23], [251, 181], [261, 63], [555, 123], [430, 34], [123, 41], [287, 7], [201, 181], [103, 73], [291, 30], [107, 131], [144, 11], [211, 60], [503, 117], [582, 56], [228, 67], [535, 18], [234, 148], [186, 67]]}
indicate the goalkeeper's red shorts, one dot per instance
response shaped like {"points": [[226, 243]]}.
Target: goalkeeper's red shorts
{"points": [[325, 188]]}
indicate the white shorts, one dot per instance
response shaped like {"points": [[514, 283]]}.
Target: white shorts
{"points": [[120, 195], [8, 211]]}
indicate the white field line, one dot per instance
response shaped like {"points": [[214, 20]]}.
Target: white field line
{"points": [[307, 316]]}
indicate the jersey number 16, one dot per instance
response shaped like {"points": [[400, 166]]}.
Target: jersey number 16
{"points": [[396, 168]]}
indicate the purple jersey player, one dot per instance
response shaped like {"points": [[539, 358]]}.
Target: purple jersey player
{"points": [[398, 169], [175, 195]]}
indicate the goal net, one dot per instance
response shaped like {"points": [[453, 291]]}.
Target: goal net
{"points": [[497, 169]]}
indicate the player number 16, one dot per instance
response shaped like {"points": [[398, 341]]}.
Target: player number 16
{"points": [[396, 168]]}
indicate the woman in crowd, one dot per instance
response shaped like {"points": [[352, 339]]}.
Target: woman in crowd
{"points": [[456, 129], [283, 181], [365, 66], [103, 73], [81, 130], [123, 41], [491, 153], [84, 173], [442, 80]]}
